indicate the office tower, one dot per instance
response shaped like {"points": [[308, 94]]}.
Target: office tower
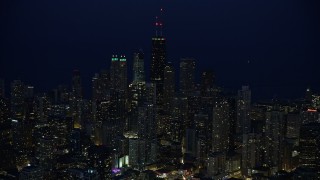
{"points": [[118, 73], [158, 63], [63, 94], [123, 74], [168, 87], [77, 85], [143, 148], [4, 111], [203, 134], [220, 130], [111, 118], [252, 152], [308, 95], [137, 158], [43, 104], [17, 99], [137, 91], [232, 122], [274, 134], [293, 125], [138, 67], [176, 129], [191, 143], [100, 104], [29, 92], [309, 116], [136, 98], [76, 99], [207, 81], [158, 59], [2, 88], [243, 110], [114, 73], [290, 159], [20, 126], [6, 150], [187, 76], [147, 131], [310, 145]]}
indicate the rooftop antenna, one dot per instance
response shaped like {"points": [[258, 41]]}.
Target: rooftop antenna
{"points": [[159, 23]]}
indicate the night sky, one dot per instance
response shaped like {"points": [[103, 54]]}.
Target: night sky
{"points": [[272, 45]]}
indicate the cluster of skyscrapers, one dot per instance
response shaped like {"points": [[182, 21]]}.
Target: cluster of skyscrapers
{"points": [[155, 128]]}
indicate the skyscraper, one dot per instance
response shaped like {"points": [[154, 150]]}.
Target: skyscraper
{"points": [[220, 130], [114, 72], [76, 98], [118, 73], [6, 150], [158, 59], [207, 80], [77, 85], [138, 67], [309, 145], [243, 110], [187, 76], [274, 132], [168, 86], [123, 74], [17, 99]]}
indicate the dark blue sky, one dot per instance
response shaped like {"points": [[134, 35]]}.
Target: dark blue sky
{"points": [[43, 41]]}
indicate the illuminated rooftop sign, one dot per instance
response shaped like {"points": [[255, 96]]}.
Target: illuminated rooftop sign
{"points": [[158, 39]]}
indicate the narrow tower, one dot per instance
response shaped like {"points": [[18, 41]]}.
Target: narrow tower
{"points": [[158, 54]]}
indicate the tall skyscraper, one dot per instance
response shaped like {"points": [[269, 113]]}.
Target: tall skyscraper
{"points": [[138, 67], [310, 145], [187, 76], [77, 85], [207, 80], [17, 99], [221, 124], [123, 77], [243, 110], [158, 59], [274, 132], [251, 152], [76, 98], [118, 73], [114, 72], [168, 86], [6, 150]]}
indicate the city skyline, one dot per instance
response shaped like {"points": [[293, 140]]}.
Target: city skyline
{"points": [[275, 53], [207, 90]]}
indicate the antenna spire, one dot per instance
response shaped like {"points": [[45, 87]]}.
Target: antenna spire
{"points": [[159, 23]]}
